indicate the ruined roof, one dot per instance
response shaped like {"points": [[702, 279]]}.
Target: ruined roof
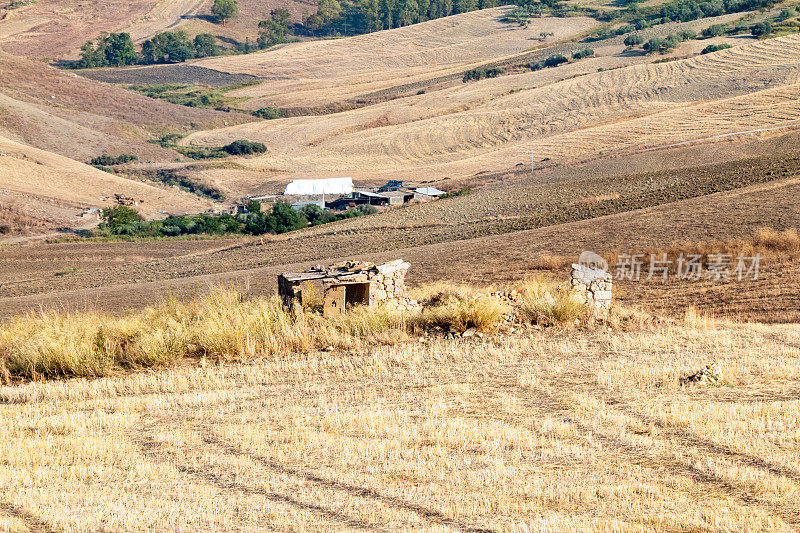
{"points": [[344, 269]]}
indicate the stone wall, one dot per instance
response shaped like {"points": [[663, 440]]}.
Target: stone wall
{"points": [[594, 285], [388, 281]]}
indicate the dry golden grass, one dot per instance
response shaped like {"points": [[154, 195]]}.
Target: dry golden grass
{"points": [[548, 302], [552, 431], [223, 325]]}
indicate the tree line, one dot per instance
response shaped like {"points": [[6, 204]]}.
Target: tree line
{"points": [[122, 220], [365, 16], [118, 50]]}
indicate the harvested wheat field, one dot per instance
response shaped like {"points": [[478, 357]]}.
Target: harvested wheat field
{"points": [[543, 431], [317, 72], [476, 127], [58, 28]]}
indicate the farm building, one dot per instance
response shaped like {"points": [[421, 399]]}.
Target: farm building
{"points": [[347, 284], [429, 191], [297, 206], [391, 185], [320, 186]]}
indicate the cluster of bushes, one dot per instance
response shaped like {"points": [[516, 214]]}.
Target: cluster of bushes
{"points": [[714, 47], [481, 73], [552, 61], [688, 10], [117, 49], [606, 33], [121, 220], [580, 54], [268, 113], [665, 44], [238, 147], [194, 95], [316, 215], [642, 17], [107, 160], [759, 29], [559, 59], [276, 29], [174, 178], [456, 193]]}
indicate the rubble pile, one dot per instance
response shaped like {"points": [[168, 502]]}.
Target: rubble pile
{"points": [[708, 375]]}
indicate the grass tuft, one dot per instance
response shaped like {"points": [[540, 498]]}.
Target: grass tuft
{"points": [[549, 303]]}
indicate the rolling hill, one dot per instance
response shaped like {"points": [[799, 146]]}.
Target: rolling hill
{"points": [[497, 123], [42, 176]]}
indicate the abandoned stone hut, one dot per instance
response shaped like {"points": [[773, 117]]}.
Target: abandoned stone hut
{"points": [[347, 284]]}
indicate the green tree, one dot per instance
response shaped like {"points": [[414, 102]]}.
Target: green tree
{"points": [[119, 49], [205, 45], [714, 30], [464, 6], [761, 29], [655, 44], [224, 10], [634, 39], [286, 219], [91, 57], [275, 29], [253, 206], [168, 47], [407, 12], [120, 215]]}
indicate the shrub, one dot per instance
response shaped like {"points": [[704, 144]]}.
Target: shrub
{"points": [[107, 160], [267, 113], [478, 74], [714, 30], [634, 39], [242, 147], [456, 192], [552, 61], [580, 54], [715, 47], [119, 216], [761, 29]]}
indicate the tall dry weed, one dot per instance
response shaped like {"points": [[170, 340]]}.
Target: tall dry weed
{"points": [[550, 303]]}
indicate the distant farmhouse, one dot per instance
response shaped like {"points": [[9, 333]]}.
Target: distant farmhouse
{"points": [[340, 194]]}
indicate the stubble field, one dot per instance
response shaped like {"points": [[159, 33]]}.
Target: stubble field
{"points": [[581, 431]]}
